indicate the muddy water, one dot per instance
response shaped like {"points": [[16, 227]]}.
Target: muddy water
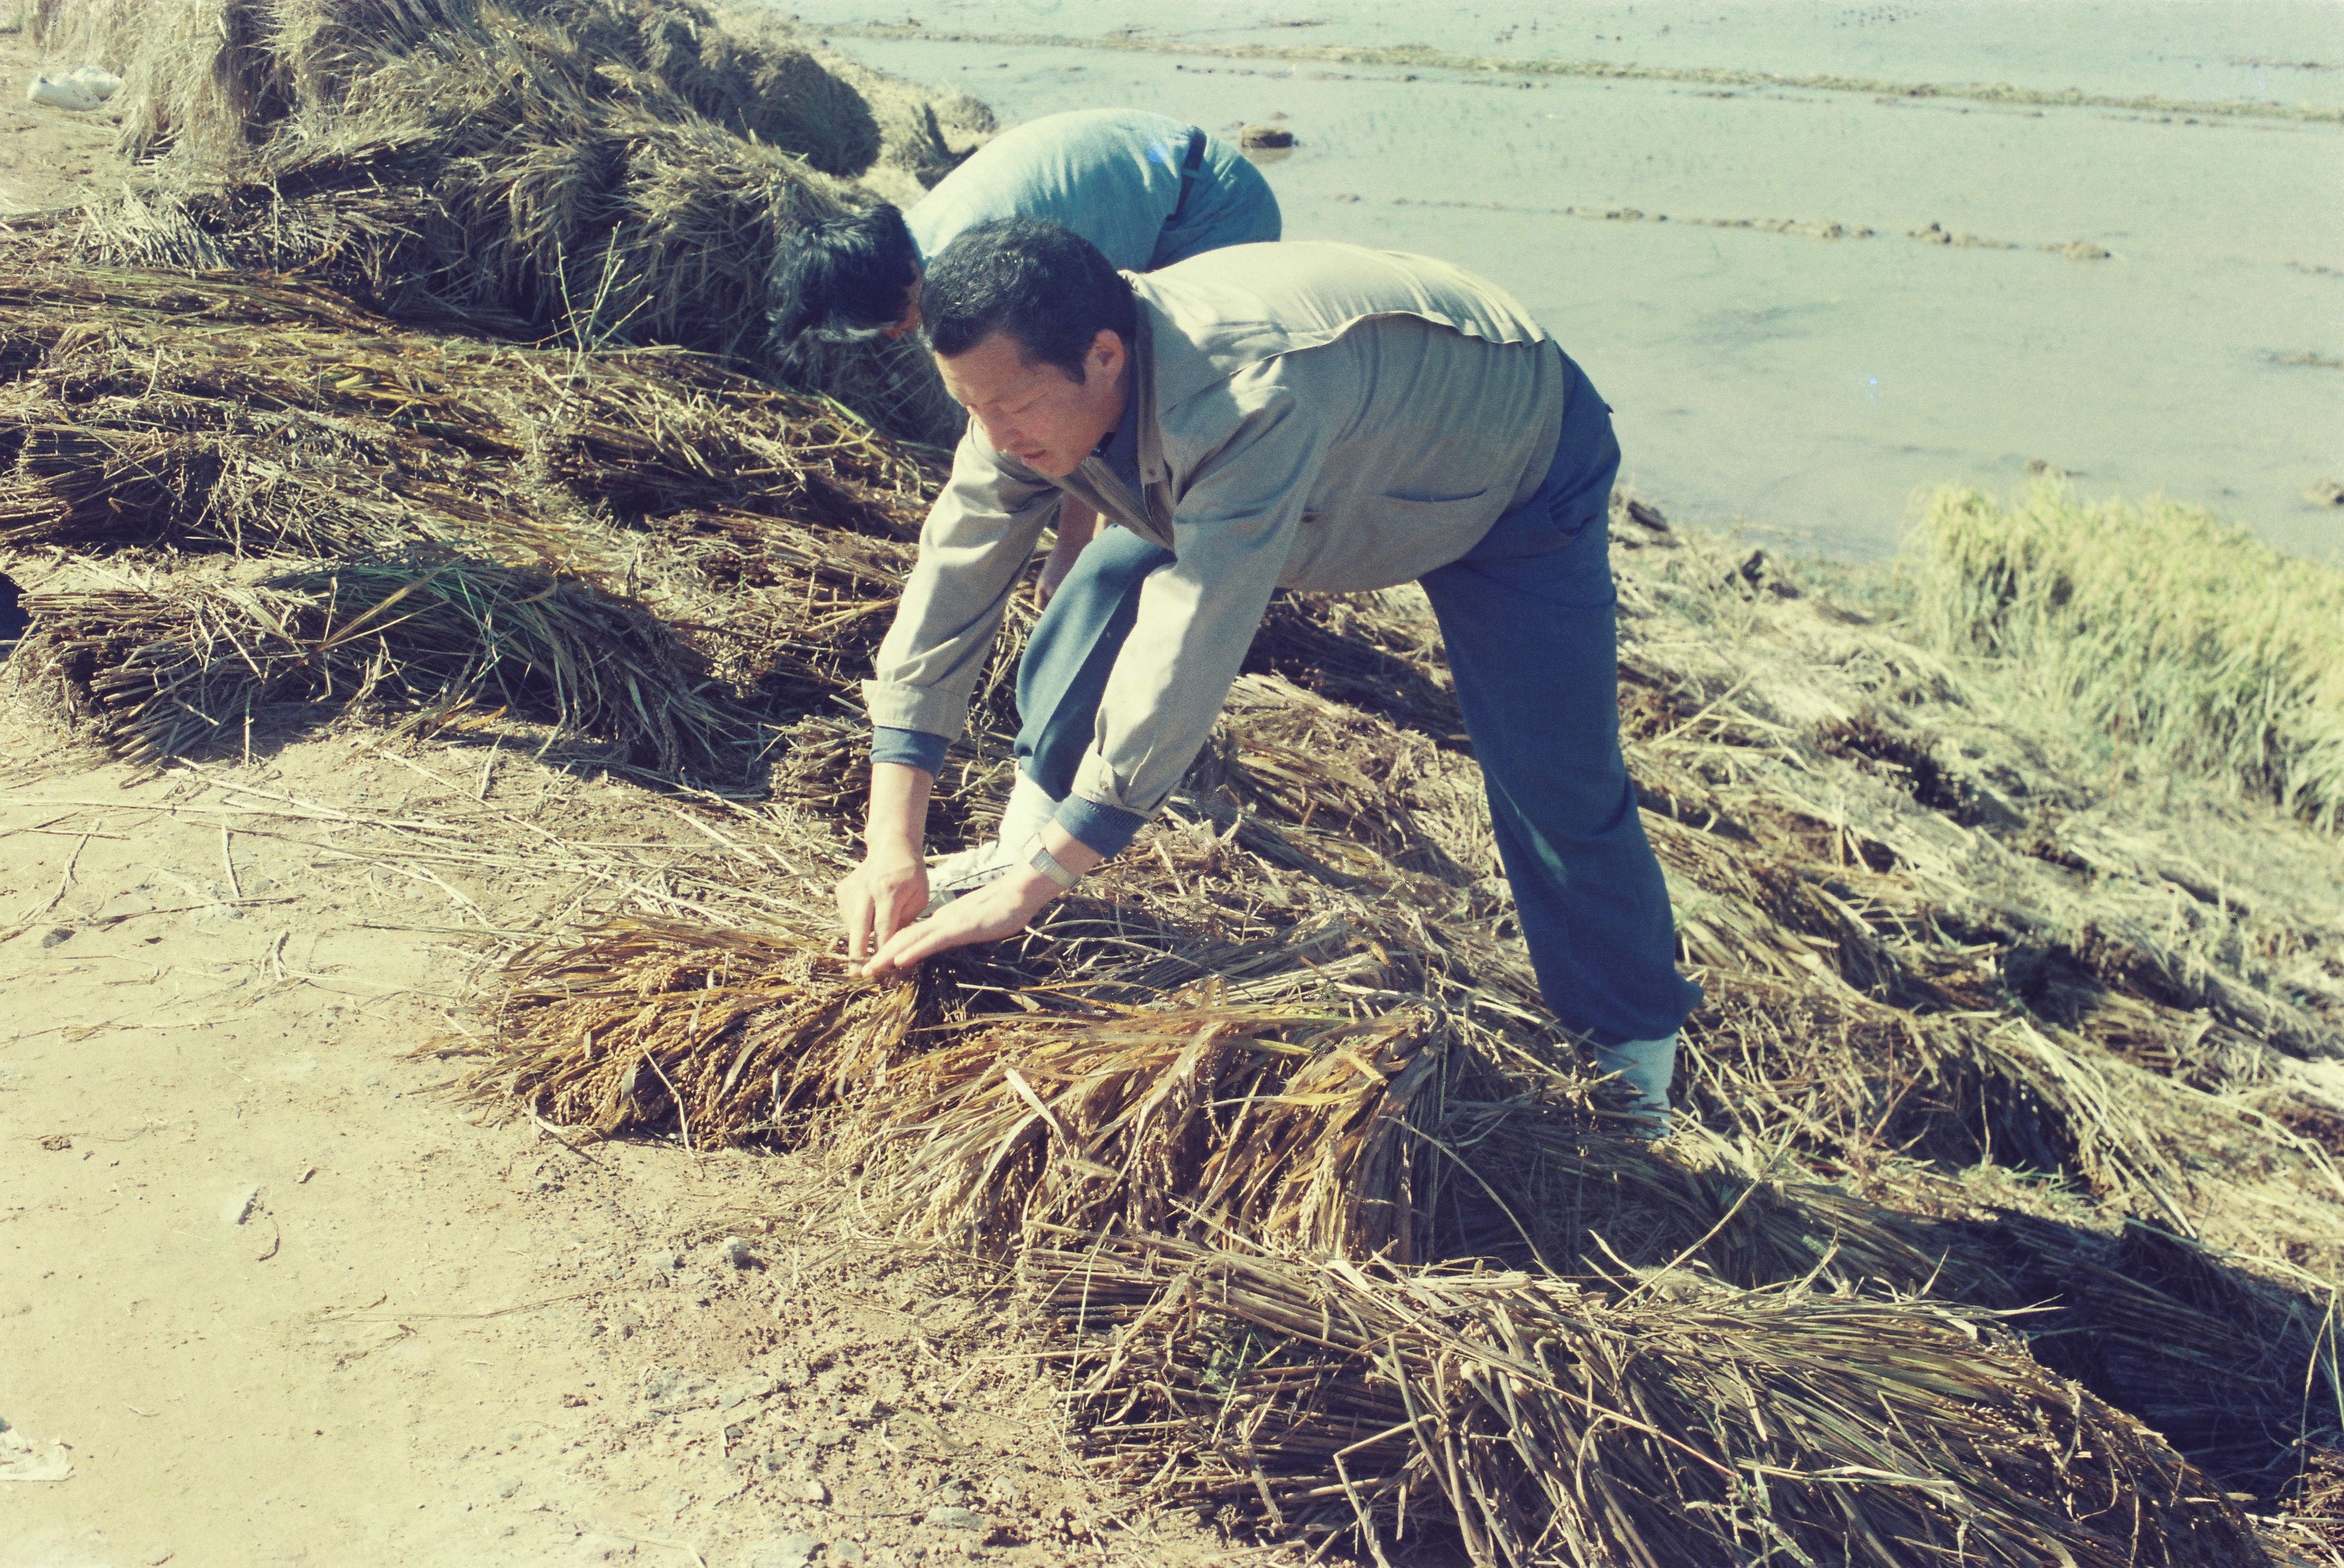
{"points": [[1807, 304]]}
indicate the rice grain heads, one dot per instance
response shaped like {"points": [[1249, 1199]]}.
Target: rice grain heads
{"points": [[1277, 1121], [723, 1031]]}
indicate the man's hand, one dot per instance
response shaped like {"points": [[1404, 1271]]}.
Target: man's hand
{"points": [[889, 889], [879, 899], [998, 909], [1055, 567], [1077, 526], [1001, 908]]}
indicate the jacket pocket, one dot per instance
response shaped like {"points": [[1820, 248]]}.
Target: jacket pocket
{"points": [[1404, 503]]}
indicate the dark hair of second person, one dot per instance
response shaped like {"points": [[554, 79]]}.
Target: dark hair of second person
{"points": [[848, 276]]}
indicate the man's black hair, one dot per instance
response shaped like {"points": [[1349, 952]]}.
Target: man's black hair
{"points": [[1045, 285], [853, 271]]}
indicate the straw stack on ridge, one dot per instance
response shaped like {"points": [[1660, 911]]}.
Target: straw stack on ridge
{"points": [[212, 79], [599, 171], [270, 417]]}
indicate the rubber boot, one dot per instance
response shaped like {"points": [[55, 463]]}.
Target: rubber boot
{"points": [[1645, 1069]]}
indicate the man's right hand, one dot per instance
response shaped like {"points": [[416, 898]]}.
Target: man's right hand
{"points": [[886, 893], [890, 889]]}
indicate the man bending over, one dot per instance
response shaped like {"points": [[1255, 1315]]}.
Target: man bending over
{"points": [[1306, 415]]}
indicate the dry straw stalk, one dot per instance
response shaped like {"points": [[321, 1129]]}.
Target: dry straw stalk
{"points": [[1548, 1426]]}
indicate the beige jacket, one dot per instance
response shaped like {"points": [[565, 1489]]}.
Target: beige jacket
{"points": [[1310, 416]]}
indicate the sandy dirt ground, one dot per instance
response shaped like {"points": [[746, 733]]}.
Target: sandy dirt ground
{"points": [[274, 1290]]}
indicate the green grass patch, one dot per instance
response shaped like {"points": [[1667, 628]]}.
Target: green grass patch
{"points": [[2189, 643]]}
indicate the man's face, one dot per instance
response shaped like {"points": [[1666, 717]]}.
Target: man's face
{"points": [[1037, 413]]}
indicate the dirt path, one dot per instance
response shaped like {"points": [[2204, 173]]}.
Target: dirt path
{"points": [[283, 1297]]}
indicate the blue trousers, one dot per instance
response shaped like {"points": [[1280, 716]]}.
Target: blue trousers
{"points": [[1062, 676], [1527, 619]]}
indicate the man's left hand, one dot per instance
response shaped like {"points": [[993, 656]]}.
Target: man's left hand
{"points": [[1077, 526], [997, 910]]}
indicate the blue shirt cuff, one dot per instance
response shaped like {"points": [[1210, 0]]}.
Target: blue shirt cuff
{"points": [[912, 748], [1105, 829]]}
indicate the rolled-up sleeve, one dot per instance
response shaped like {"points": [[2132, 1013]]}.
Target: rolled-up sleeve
{"points": [[978, 537], [910, 748], [1233, 529]]}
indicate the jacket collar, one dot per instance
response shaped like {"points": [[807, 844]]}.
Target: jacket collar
{"points": [[1149, 513]]}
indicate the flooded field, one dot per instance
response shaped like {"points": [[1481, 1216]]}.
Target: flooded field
{"points": [[1818, 258]]}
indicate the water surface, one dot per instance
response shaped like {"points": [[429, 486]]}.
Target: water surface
{"points": [[1809, 373]]}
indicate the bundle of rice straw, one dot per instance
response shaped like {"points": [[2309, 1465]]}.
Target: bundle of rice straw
{"points": [[181, 668], [2233, 1367], [1382, 1137], [1414, 806], [1678, 1427], [722, 1031], [1277, 1121]]}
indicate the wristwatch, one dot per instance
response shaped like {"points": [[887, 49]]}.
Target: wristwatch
{"points": [[1038, 857]]}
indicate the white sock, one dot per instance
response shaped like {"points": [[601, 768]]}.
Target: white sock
{"points": [[1030, 810]]}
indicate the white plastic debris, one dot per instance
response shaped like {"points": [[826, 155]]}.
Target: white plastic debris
{"points": [[61, 92], [25, 1459], [239, 1206], [96, 81]]}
